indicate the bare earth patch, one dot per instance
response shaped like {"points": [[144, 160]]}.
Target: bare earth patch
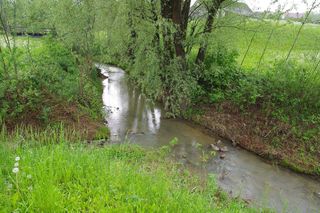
{"points": [[258, 133], [67, 114]]}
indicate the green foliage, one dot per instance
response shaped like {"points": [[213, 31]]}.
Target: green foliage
{"points": [[47, 75], [119, 178], [174, 142], [288, 86], [102, 133], [242, 30], [176, 88], [146, 72], [219, 73]]}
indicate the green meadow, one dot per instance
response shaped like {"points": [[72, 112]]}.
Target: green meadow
{"points": [[53, 171], [276, 38]]}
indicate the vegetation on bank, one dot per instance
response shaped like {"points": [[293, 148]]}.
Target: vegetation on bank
{"points": [[250, 66], [46, 76], [226, 64], [262, 69], [277, 98], [53, 171], [48, 80], [45, 86]]}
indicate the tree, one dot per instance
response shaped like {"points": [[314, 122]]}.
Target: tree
{"points": [[212, 8], [177, 13], [151, 39]]}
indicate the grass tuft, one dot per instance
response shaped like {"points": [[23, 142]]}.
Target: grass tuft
{"points": [[75, 177]]}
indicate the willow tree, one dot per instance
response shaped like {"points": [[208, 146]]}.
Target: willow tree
{"points": [[151, 39], [212, 7], [177, 13]]}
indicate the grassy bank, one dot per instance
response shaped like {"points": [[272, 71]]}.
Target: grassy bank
{"points": [[57, 175], [272, 109], [46, 83]]}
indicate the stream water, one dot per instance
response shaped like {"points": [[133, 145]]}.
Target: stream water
{"points": [[130, 116]]}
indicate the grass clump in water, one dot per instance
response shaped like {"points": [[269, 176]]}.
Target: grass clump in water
{"points": [[63, 176]]}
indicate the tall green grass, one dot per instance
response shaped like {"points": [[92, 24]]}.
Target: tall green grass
{"points": [[59, 176], [237, 32], [276, 90], [289, 88]]}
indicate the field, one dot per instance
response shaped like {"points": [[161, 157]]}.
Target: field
{"points": [[278, 45]]}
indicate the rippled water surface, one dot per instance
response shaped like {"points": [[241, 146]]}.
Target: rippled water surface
{"points": [[130, 116]]}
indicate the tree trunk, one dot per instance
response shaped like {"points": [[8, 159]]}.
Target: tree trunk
{"points": [[166, 13], [133, 36], [177, 12], [178, 35], [185, 17], [212, 12], [156, 37]]}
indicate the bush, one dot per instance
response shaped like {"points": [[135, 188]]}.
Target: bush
{"points": [[289, 89], [295, 87], [221, 69], [46, 76], [218, 74]]}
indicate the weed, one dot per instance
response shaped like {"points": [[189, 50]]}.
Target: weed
{"points": [[122, 178]]}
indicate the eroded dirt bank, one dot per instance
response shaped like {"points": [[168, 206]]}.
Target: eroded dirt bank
{"points": [[268, 138]]}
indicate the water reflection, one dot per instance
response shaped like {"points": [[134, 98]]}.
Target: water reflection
{"points": [[128, 110], [131, 116]]}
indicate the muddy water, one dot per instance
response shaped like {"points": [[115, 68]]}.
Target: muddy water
{"points": [[130, 116]]}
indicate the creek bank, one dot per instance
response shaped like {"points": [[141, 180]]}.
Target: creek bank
{"points": [[111, 178], [73, 116], [69, 115], [132, 118], [269, 139]]}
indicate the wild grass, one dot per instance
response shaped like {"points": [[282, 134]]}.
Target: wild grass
{"points": [[23, 41], [44, 79], [59, 176], [289, 88], [277, 37], [270, 87]]}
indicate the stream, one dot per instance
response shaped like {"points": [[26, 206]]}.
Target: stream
{"points": [[240, 173]]}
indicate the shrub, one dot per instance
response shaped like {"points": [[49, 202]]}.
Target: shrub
{"points": [[218, 74], [221, 69], [46, 76]]}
